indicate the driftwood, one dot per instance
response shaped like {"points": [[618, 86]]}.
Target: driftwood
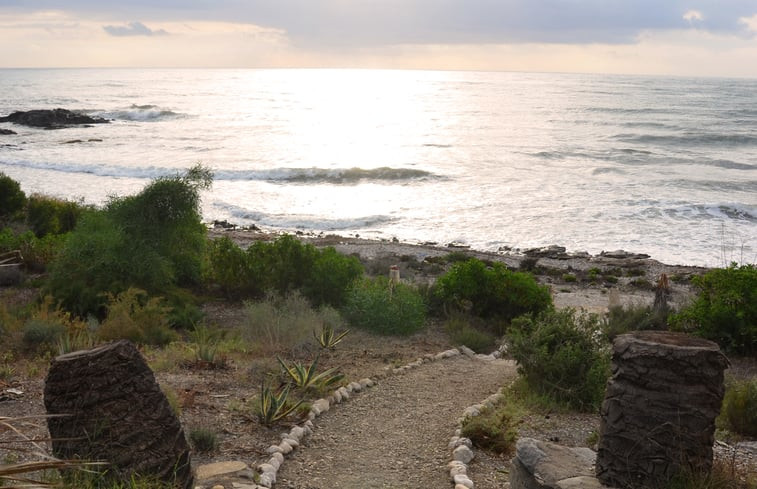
{"points": [[658, 416], [115, 412]]}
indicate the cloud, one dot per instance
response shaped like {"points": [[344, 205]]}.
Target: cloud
{"points": [[749, 22], [693, 15], [133, 29]]}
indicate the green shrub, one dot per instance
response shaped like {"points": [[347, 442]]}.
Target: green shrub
{"points": [[38, 253], [42, 334], [204, 440], [462, 330], [569, 277], [49, 215], [385, 308], [280, 323], [491, 291], [739, 411], [330, 277], [153, 241], [12, 198], [494, 429], [229, 268], [623, 319], [134, 316], [560, 354], [725, 309]]}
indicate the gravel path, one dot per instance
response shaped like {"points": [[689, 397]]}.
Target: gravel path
{"points": [[395, 435]]}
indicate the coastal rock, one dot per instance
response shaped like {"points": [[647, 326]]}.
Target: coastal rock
{"points": [[6, 132], [553, 251], [621, 254], [51, 118]]}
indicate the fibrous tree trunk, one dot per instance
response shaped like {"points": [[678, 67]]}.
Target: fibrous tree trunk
{"points": [[658, 416], [114, 411]]}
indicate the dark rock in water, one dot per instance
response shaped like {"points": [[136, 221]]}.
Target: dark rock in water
{"points": [[6, 132], [620, 254], [106, 405], [51, 118], [73, 141], [223, 224]]}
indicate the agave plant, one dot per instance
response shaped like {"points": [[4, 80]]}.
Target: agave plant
{"points": [[304, 377], [326, 336], [273, 404]]}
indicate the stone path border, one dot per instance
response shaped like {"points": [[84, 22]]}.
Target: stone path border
{"points": [[265, 475]]}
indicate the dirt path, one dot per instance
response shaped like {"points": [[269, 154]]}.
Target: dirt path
{"points": [[395, 435]]}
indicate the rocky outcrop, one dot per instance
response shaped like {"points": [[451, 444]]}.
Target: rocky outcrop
{"points": [[6, 132], [658, 416], [52, 118], [544, 465], [105, 405]]}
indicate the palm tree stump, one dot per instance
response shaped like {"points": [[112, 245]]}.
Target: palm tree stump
{"points": [[107, 406], [658, 415]]}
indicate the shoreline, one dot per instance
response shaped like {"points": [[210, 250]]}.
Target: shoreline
{"points": [[579, 280]]}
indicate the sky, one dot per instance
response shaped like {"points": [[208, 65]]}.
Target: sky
{"points": [[665, 37]]}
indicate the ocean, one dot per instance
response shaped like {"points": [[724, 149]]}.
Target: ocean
{"points": [[658, 165]]}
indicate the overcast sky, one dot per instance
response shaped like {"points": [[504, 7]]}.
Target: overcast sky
{"points": [[682, 37]]}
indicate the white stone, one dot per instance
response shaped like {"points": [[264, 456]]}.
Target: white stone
{"points": [[366, 382], [273, 449], [297, 433], [279, 457], [458, 470], [463, 480], [322, 405], [460, 486], [239, 485], [267, 468], [292, 443], [266, 480], [273, 462], [453, 441], [309, 427], [486, 358], [336, 397], [356, 386], [285, 447], [463, 454], [471, 412], [462, 441], [467, 351], [345, 394]]}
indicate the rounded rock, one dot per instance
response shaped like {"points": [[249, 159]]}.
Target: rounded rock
{"points": [[273, 449], [463, 453], [286, 448], [464, 481]]}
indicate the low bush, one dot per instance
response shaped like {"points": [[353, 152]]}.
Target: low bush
{"points": [[494, 429], [282, 266], [38, 253], [385, 308], [135, 316], [42, 334], [49, 215], [279, 324], [725, 309], [204, 440], [739, 411], [623, 319], [491, 291], [561, 354], [12, 199], [463, 330]]}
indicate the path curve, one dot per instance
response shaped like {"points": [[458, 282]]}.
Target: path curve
{"points": [[395, 435]]}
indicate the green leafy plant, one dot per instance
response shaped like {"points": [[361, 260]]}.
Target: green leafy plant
{"points": [[622, 319], [491, 291], [205, 343], [385, 308], [739, 411], [561, 354], [154, 241], [327, 337], [274, 405], [136, 316], [49, 215], [279, 323], [725, 309], [12, 198], [305, 376]]}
